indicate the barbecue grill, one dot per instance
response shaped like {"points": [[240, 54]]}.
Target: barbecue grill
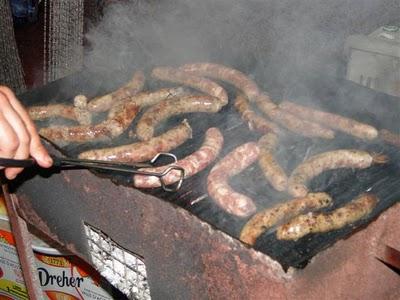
{"points": [[184, 234], [186, 244]]}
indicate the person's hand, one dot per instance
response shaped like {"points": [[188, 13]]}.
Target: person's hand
{"points": [[18, 136]]}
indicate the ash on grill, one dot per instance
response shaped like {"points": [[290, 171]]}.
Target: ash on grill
{"points": [[124, 270]]}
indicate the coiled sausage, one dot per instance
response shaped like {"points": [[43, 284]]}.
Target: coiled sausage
{"points": [[192, 164], [217, 182]]}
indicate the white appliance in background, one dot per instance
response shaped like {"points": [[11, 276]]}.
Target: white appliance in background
{"points": [[374, 60]]}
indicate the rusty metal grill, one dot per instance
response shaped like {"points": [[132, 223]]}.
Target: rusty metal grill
{"points": [[185, 257], [123, 269]]}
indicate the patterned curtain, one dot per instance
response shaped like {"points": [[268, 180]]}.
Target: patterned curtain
{"points": [[63, 38], [11, 73]]}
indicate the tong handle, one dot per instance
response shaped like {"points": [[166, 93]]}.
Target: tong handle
{"points": [[17, 163], [102, 164], [106, 165]]}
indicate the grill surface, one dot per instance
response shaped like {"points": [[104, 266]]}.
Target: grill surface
{"points": [[331, 94]]}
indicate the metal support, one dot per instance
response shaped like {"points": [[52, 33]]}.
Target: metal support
{"points": [[23, 243]]}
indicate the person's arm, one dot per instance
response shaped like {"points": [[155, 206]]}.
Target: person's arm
{"points": [[18, 136]]}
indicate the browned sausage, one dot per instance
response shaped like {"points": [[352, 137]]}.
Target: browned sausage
{"points": [[43, 112], [163, 110], [200, 83], [143, 151], [254, 121], [227, 74], [315, 165], [120, 117], [349, 126], [192, 164], [217, 182], [389, 137], [104, 103], [280, 213], [273, 172], [324, 222], [264, 103], [298, 126], [145, 99], [83, 115], [291, 122], [81, 101], [75, 113]]}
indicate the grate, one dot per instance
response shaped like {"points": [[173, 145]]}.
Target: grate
{"points": [[124, 270]]}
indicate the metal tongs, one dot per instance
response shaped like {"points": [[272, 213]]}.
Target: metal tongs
{"points": [[107, 165]]}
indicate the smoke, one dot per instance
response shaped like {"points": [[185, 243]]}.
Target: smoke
{"points": [[255, 36], [272, 41], [144, 34]]}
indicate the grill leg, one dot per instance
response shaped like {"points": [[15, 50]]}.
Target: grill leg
{"points": [[23, 244]]}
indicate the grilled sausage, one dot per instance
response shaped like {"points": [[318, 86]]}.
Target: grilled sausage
{"points": [[273, 172], [276, 215], [324, 222], [80, 101], [43, 112], [200, 83], [298, 126], [234, 77], [349, 126], [217, 182], [192, 164], [145, 99], [143, 151], [389, 137], [104, 103], [291, 122], [83, 115], [163, 110], [227, 74], [254, 121], [315, 165], [78, 112], [120, 117], [264, 103]]}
